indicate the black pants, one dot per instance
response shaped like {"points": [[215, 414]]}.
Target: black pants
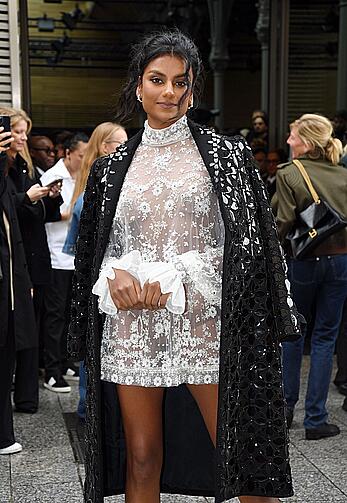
{"points": [[26, 394], [7, 360], [39, 308], [26, 391], [57, 302], [341, 351]]}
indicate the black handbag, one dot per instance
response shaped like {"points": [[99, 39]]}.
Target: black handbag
{"points": [[314, 224]]}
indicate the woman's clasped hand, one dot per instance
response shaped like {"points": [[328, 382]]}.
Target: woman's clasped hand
{"points": [[127, 294]]}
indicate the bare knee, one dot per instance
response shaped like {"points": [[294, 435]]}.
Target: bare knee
{"points": [[143, 464]]}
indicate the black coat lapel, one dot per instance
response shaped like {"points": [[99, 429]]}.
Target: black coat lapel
{"points": [[201, 136], [113, 178]]}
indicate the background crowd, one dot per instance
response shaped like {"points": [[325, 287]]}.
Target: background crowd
{"points": [[42, 181]]}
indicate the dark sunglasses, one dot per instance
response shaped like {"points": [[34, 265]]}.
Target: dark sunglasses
{"points": [[47, 150]]}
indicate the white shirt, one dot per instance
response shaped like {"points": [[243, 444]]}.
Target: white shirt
{"points": [[57, 231]]}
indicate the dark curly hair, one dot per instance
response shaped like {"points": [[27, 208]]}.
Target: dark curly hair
{"points": [[152, 46]]}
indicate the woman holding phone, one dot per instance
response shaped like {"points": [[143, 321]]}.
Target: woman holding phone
{"points": [[18, 339], [35, 205]]}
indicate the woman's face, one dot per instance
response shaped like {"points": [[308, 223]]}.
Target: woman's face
{"points": [[75, 157], [296, 144], [118, 137], [19, 133], [162, 86]]}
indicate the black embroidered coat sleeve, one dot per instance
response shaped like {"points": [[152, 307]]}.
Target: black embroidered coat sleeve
{"points": [[85, 256], [252, 453]]}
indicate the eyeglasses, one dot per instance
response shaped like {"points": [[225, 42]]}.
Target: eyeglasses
{"points": [[47, 150]]}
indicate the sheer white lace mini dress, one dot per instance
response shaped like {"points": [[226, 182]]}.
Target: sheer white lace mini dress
{"points": [[168, 227]]}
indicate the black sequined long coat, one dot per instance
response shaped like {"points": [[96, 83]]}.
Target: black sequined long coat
{"points": [[252, 441]]}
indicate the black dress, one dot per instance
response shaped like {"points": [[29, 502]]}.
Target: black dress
{"points": [[257, 312]]}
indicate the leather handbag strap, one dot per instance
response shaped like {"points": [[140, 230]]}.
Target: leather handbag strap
{"points": [[307, 179]]}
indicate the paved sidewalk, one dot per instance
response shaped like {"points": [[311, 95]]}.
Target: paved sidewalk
{"points": [[47, 472]]}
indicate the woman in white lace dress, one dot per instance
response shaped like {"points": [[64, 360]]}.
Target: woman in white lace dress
{"points": [[161, 279]]}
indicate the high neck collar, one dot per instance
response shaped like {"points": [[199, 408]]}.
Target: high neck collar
{"points": [[179, 130]]}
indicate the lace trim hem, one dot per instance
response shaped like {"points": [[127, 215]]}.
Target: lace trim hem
{"points": [[161, 378]]}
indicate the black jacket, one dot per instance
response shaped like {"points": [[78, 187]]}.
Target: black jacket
{"points": [[32, 218], [24, 319], [252, 442]]}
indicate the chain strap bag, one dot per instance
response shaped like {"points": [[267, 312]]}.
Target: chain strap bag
{"points": [[314, 224]]}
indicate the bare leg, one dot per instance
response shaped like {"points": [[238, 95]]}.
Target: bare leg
{"points": [[206, 397], [142, 419]]}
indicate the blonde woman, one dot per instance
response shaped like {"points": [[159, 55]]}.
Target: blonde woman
{"points": [[18, 157], [18, 338], [35, 205], [319, 282], [104, 140]]}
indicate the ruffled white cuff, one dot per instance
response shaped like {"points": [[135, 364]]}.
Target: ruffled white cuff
{"points": [[164, 272], [170, 281], [202, 275], [129, 262]]}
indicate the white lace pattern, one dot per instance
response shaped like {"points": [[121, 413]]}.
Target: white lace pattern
{"points": [[169, 212]]}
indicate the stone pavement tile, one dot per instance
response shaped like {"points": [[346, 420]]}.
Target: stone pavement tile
{"points": [[46, 467], [329, 456], [45, 430], [338, 415], [41, 431], [180, 498], [311, 485], [4, 466], [5, 489], [68, 401], [36, 492]]}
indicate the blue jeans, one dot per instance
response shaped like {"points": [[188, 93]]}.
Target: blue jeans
{"points": [[81, 409], [320, 283]]}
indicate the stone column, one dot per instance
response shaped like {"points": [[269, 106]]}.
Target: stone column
{"points": [[220, 11], [341, 101], [25, 65], [278, 73], [262, 31]]}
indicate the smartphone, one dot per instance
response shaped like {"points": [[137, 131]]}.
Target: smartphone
{"points": [[54, 182], [5, 122]]}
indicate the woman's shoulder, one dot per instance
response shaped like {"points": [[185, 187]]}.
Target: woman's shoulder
{"points": [[285, 167], [235, 144]]}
